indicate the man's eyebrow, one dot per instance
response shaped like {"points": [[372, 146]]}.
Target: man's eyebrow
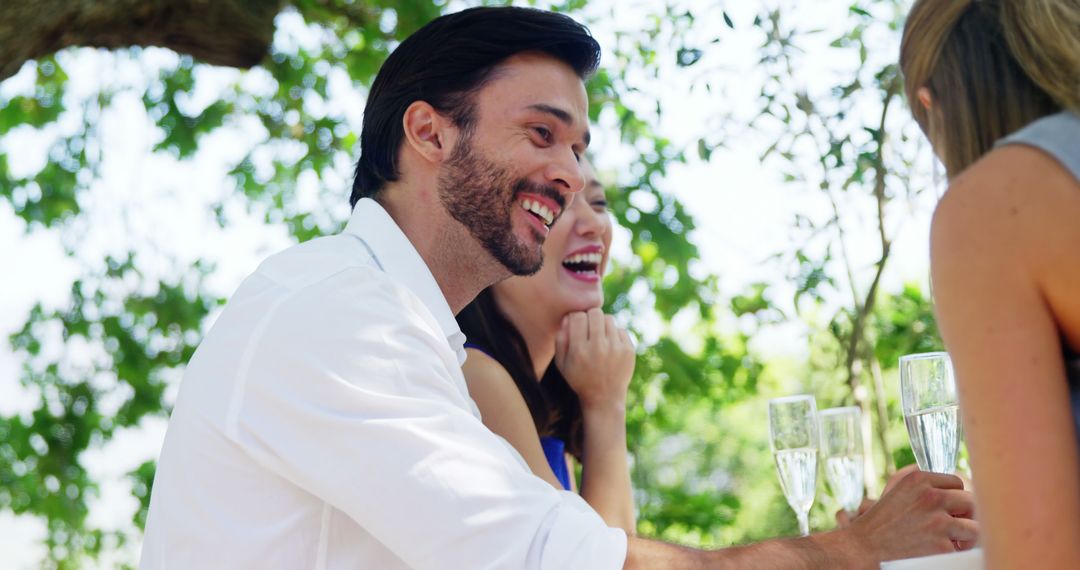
{"points": [[561, 115]]}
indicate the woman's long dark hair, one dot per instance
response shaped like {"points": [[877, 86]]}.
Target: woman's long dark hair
{"points": [[554, 406]]}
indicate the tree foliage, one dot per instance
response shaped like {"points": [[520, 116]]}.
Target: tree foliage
{"points": [[852, 142]]}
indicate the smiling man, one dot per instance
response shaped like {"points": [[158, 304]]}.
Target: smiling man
{"points": [[502, 157], [324, 421]]}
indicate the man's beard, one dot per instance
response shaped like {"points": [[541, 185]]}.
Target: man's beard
{"points": [[482, 196]]}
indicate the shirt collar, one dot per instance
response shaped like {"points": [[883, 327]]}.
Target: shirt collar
{"points": [[396, 256]]}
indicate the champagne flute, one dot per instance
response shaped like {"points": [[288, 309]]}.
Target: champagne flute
{"points": [[931, 413], [842, 452], [793, 436]]}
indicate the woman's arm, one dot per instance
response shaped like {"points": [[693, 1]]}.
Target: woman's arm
{"points": [[597, 359], [605, 475], [995, 246], [504, 411]]}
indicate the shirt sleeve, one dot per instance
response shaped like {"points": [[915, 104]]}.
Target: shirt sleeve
{"points": [[350, 395]]}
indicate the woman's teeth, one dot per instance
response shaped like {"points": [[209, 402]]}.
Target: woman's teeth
{"points": [[583, 263], [593, 258]]}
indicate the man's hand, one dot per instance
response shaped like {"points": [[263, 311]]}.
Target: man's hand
{"points": [[919, 514], [922, 513], [843, 519]]}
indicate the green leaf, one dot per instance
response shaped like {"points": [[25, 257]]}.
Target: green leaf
{"points": [[855, 9], [688, 56], [704, 150]]}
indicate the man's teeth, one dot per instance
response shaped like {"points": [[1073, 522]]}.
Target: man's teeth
{"points": [[578, 258], [540, 210]]}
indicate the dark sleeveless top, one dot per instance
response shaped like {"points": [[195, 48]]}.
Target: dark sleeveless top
{"points": [[1059, 136], [554, 448]]}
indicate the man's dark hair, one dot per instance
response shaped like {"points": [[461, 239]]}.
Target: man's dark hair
{"points": [[445, 63]]}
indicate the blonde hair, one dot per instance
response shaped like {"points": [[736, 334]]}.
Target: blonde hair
{"points": [[991, 66]]}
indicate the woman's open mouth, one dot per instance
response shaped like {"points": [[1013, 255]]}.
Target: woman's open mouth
{"points": [[584, 265]]}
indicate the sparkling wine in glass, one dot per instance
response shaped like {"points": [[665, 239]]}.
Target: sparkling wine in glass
{"points": [[842, 453], [931, 413], [793, 436]]}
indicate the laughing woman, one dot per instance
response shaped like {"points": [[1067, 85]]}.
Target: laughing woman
{"points": [[549, 371], [995, 84]]}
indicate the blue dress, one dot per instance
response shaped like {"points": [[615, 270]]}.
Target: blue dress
{"points": [[555, 452], [554, 448]]}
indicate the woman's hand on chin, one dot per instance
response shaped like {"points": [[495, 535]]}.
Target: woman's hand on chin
{"points": [[596, 357]]}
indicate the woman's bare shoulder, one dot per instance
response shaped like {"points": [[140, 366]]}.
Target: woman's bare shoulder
{"points": [[1016, 198], [1009, 223], [504, 411], [493, 389], [483, 372]]}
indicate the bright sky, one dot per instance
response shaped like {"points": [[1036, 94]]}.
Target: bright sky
{"points": [[742, 209]]}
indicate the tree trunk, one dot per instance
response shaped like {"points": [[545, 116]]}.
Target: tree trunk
{"points": [[235, 33]]}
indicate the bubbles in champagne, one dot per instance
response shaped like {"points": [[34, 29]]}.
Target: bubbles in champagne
{"points": [[935, 438], [845, 476], [798, 476]]}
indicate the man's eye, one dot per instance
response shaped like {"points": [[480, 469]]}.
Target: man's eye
{"points": [[545, 134], [602, 204]]}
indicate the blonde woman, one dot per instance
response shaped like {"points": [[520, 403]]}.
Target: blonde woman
{"points": [[995, 85]]}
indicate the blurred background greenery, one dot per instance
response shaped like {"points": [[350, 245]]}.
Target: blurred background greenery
{"points": [[829, 122]]}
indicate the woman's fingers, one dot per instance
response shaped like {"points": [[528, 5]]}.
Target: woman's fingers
{"points": [[592, 332], [577, 327], [611, 330], [596, 357], [596, 324]]}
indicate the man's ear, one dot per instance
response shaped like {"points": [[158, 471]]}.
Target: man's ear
{"points": [[426, 130]]}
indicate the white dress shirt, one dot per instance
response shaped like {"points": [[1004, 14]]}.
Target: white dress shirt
{"points": [[324, 422]]}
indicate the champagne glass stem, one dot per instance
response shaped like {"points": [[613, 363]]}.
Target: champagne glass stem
{"points": [[804, 523]]}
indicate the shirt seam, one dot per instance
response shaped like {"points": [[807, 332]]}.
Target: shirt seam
{"points": [[371, 252], [321, 554], [232, 418]]}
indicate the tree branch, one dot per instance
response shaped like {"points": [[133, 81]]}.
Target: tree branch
{"points": [[863, 311], [234, 33]]}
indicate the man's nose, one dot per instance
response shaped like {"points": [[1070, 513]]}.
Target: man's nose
{"points": [[566, 174]]}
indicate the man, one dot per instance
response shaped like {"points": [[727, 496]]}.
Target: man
{"points": [[324, 421]]}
